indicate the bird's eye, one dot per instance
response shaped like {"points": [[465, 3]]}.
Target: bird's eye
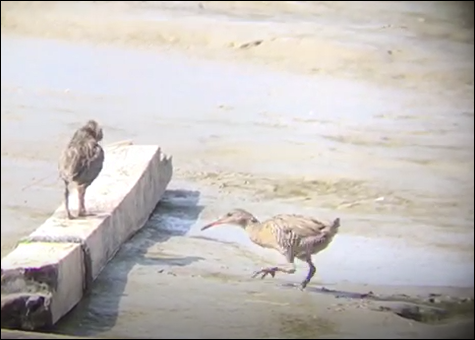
{"points": [[228, 214]]}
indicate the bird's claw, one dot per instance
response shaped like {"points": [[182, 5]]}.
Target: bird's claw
{"points": [[303, 285], [264, 272], [82, 213]]}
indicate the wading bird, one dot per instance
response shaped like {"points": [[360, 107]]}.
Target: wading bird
{"points": [[294, 236], [81, 162]]}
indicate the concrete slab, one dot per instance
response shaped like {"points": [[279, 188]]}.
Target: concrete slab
{"points": [[50, 270], [9, 334]]}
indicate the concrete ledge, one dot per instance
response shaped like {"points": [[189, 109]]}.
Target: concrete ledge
{"points": [[9, 334], [49, 271]]}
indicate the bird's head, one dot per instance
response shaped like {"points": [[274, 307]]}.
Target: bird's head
{"points": [[94, 129], [238, 217]]}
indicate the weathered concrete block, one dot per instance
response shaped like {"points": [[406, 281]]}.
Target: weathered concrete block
{"points": [[48, 273], [9, 334]]}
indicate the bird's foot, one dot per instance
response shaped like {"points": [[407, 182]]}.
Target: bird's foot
{"points": [[266, 271], [299, 286], [69, 216], [84, 213], [303, 285]]}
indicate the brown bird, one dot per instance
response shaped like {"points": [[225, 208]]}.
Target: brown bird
{"points": [[294, 236], [81, 162]]}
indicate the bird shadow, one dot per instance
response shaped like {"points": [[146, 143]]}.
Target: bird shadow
{"points": [[429, 307], [336, 293], [351, 295], [173, 216]]}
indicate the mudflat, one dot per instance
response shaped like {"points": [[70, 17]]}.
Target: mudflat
{"points": [[352, 109]]}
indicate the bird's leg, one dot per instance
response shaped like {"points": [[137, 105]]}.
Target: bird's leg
{"points": [[66, 200], [288, 268], [311, 272], [81, 194]]}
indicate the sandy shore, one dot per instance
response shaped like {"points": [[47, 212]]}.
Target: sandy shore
{"points": [[208, 292], [373, 44], [195, 286]]}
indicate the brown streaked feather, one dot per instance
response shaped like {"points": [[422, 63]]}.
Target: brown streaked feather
{"points": [[302, 226], [78, 161], [292, 234], [83, 158]]}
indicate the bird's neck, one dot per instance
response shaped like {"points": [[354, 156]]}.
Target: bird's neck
{"points": [[251, 224], [260, 234]]}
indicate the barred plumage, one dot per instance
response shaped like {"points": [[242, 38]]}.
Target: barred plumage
{"points": [[81, 162], [294, 236]]}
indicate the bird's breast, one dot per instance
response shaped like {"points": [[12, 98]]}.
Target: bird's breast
{"points": [[264, 237]]}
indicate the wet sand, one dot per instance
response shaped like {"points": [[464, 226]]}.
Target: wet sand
{"points": [[350, 39], [154, 288], [328, 110]]}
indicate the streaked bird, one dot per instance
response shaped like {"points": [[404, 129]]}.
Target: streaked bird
{"points": [[294, 236], [81, 162]]}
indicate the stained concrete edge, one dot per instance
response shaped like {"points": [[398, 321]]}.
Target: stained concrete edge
{"points": [[11, 334], [62, 253]]}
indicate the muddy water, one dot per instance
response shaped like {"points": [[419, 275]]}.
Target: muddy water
{"points": [[394, 161]]}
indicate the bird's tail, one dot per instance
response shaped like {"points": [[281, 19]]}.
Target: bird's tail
{"points": [[336, 223]]}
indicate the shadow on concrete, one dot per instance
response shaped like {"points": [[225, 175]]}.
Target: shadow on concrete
{"points": [[174, 215]]}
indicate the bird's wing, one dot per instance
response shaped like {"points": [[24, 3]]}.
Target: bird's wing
{"points": [[301, 226], [76, 160], [292, 232], [71, 163], [96, 162]]}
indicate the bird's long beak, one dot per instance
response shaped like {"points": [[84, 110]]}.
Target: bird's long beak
{"points": [[213, 224]]}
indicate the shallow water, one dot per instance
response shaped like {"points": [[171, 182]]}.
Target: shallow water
{"points": [[396, 164]]}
